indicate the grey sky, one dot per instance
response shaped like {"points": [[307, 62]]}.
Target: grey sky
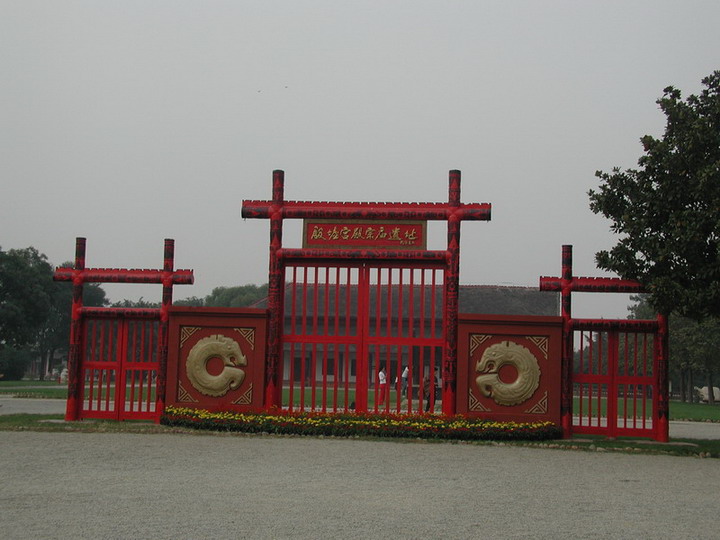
{"points": [[131, 121]]}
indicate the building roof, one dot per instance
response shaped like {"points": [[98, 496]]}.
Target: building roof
{"points": [[473, 299]]}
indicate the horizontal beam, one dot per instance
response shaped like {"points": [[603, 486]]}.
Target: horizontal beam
{"points": [[629, 325], [122, 275], [586, 284], [366, 210], [375, 254], [111, 313]]}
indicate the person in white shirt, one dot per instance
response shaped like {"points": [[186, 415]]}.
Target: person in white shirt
{"points": [[382, 380], [404, 379]]}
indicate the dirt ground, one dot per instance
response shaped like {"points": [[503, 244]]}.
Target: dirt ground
{"points": [[102, 485]]}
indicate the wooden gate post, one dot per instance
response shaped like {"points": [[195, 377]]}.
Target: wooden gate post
{"points": [[566, 358], [167, 283], [276, 280], [452, 281], [661, 406], [72, 409]]}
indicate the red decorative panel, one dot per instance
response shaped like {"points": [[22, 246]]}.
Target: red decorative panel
{"points": [[509, 367], [216, 358]]}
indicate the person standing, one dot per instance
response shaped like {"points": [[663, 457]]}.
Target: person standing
{"points": [[427, 391], [404, 380], [382, 380]]}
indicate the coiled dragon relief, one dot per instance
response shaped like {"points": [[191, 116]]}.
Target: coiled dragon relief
{"points": [[512, 354], [216, 346]]}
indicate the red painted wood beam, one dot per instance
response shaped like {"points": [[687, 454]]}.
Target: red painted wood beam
{"points": [[362, 210], [362, 254], [588, 284], [112, 313], [123, 275], [604, 325]]}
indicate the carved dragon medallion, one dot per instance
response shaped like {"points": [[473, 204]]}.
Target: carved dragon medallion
{"points": [[503, 354], [216, 346]]}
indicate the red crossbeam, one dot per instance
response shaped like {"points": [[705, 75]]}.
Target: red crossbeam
{"points": [[344, 254], [588, 284], [366, 210], [113, 313], [122, 275], [621, 325]]}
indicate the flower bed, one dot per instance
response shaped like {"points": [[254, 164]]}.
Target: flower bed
{"points": [[365, 425]]}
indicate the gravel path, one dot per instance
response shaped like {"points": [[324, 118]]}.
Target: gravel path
{"points": [[102, 485]]}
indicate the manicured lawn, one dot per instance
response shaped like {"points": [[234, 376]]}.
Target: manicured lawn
{"points": [[5, 384], [59, 392], [699, 412]]}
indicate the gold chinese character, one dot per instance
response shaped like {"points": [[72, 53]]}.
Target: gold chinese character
{"points": [[381, 234], [411, 236], [395, 234], [333, 234], [370, 233], [345, 233], [357, 233], [317, 233]]}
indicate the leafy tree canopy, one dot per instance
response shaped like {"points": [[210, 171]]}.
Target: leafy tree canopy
{"points": [[667, 211], [241, 296], [25, 295]]}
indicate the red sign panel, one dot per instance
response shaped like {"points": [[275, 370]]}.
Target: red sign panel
{"points": [[363, 234]]}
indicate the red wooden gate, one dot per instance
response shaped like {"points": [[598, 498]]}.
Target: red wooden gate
{"points": [[358, 243], [614, 386], [120, 368], [346, 322], [117, 359], [614, 372]]}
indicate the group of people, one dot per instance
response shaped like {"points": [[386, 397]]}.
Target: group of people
{"points": [[430, 388]]}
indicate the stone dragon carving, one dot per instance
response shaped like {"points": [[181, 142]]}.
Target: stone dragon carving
{"points": [[513, 354], [231, 376]]}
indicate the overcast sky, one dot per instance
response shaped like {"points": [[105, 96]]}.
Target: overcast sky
{"points": [[128, 122]]}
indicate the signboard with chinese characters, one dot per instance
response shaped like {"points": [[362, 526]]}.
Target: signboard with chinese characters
{"points": [[363, 234]]}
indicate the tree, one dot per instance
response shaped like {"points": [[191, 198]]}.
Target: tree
{"points": [[240, 296], [25, 295], [192, 301], [693, 347], [14, 362], [140, 303], [668, 210]]}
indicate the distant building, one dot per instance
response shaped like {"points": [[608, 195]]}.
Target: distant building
{"points": [[320, 325]]}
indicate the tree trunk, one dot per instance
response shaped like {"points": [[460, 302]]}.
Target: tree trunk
{"points": [[711, 392], [691, 385], [683, 387], [51, 357], [43, 364]]}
